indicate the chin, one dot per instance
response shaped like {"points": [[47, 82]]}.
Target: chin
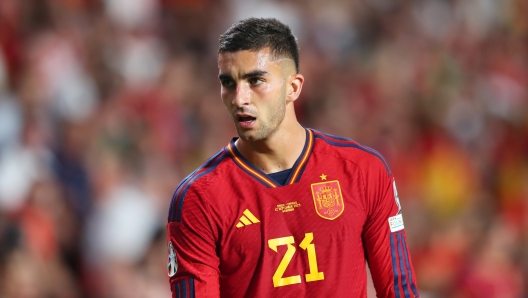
{"points": [[249, 136]]}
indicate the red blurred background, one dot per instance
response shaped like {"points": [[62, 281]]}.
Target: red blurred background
{"points": [[105, 105]]}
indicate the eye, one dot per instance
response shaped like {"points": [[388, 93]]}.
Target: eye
{"points": [[227, 83], [256, 81]]}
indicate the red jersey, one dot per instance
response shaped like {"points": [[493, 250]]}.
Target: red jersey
{"points": [[234, 232]]}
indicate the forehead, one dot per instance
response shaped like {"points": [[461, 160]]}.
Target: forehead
{"points": [[245, 61]]}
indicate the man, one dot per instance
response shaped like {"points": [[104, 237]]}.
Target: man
{"points": [[283, 211]]}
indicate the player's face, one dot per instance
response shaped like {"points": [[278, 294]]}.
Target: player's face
{"points": [[253, 88]]}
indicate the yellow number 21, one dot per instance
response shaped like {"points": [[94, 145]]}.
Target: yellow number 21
{"points": [[306, 244]]}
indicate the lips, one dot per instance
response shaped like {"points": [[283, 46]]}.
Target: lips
{"points": [[245, 121]]}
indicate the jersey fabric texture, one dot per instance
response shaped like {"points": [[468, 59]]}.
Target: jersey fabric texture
{"points": [[233, 231]]}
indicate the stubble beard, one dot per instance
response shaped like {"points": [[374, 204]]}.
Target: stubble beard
{"points": [[267, 128]]}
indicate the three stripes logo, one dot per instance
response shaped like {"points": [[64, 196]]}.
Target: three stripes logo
{"points": [[247, 219]]}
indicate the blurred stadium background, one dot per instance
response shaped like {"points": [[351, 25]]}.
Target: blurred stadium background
{"points": [[106, 104]]}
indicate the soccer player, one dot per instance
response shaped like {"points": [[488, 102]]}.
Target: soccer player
{"points": [[283, 210]]}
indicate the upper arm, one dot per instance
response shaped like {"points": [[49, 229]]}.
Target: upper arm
{"points": [[193, 238]]}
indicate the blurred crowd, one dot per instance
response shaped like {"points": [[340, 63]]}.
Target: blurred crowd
{"points": [[105, 105]]}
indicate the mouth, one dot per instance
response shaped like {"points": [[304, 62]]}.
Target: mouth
{"points": [[245, 121]]}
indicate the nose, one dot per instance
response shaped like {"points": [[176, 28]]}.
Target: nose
{"points": [[242, 95]]}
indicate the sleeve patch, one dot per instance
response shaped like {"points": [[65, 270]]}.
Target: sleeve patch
{"points": [[396, 197], [172, 264], [396, 223]]}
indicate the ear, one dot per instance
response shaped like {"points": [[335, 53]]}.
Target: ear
{"points": [[294, 87]]}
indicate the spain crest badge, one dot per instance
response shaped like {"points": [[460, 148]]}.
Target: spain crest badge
{"points": [[328, 199]]}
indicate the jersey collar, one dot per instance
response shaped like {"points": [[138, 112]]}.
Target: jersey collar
{"points": [[256, 173]]}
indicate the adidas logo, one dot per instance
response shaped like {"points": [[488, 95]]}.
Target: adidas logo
{"points": [[247, 219]]}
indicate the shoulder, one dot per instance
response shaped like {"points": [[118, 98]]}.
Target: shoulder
{"points": [[196, 182], [350, 150]]}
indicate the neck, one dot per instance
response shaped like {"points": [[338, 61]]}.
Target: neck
{"points": [[276, 153]]}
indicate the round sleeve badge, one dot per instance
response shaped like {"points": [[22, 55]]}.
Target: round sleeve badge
{"points": [[172, 264]]}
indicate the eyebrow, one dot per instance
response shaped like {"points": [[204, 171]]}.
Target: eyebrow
{"points": [[256, 73]]}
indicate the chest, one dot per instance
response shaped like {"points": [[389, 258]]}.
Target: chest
{"points": [[325, 210]]}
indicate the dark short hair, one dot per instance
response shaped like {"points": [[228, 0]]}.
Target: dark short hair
{"points": [[254, 34]]}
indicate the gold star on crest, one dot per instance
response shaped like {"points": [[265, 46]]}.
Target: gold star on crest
{"points": [[323, 177]]}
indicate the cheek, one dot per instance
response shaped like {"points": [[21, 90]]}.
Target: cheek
{"points": [[273, 93], [226, 99], [270, 88], [265, 89]]}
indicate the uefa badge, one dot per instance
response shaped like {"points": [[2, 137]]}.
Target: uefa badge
{"points": [[396, 197], [328, 199], [172, 264]]}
